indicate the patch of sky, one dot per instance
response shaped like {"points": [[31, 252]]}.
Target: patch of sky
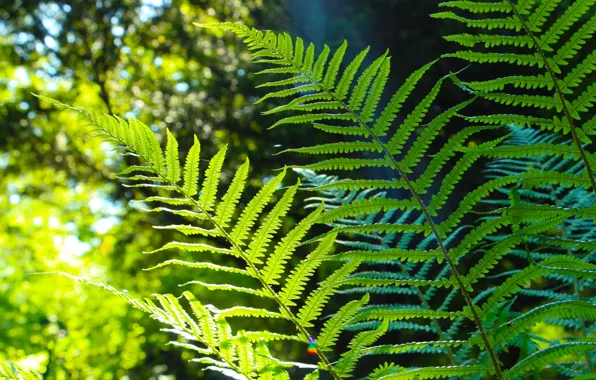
{"points": [[269, 178], [50, 43], [22, 76], [109, 210], [4, 160], [117, 31], [133, 113], [152, 8], [70, 248], [181, 87], [103, 225], [105, 205]]}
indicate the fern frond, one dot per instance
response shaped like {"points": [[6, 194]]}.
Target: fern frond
{"points": [[191, 169], [546, 356], [342, 109], [543, 49], [533, 271], [286, 247], [366, 206], [439, 372], [404, 314], [225, 209], [172, 161], [346, 364], [334, 326], [413, 347], [232, 354], [313, 305], [559, 309], [272, 223], [301, 274]]}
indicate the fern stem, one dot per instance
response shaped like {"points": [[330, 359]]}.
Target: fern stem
{"points": [[435, 232], [166, 180], [244, 255], [559, 92], [441, 244]]}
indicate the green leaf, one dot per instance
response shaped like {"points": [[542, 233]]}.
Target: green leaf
{"points": [[300, 275], [465, 371], [209, 188], [270, 225], [548, 355], [191, 169], [275, 265], [315, 302], [172, 161], [253, 209], [347, 363], [226, 207], [335, 325]]}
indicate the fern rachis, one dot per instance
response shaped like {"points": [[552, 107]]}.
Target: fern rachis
{"points": [[139, 140], [269, 44], [348, 119], [532, 17]]}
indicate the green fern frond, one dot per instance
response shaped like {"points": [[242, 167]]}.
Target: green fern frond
{"points": [[272, 223], [439, 372], [559, 309], [275, 264], [313, 305], [172, 160], [300, 275], [366, 206], [541, 26], [346, 364], [225, 209], [347, 104], [228, 354], [404, 314], [413, 347], [546, 356], [335, 325], [557, 263]]}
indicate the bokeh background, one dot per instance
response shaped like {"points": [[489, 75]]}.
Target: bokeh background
{"points": [[61, 208]]}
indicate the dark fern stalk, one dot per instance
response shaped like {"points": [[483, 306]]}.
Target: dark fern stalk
{"points": [[334, 198], [267, 45], [322, 98]]}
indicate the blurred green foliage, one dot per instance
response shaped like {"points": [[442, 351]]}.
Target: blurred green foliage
{"points": [[57, 208]]}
